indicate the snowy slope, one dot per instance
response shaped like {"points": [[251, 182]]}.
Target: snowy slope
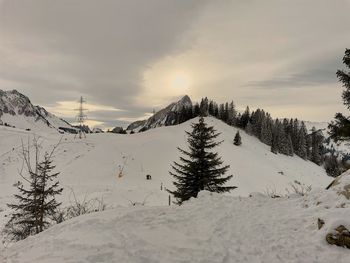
{"points": [[92, 166], [17, 110], [212, 228]]}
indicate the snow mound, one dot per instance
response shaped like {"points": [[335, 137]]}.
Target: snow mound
{"points": [[212, 228], [342, 185]]}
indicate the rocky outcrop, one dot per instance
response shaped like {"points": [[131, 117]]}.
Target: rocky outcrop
{"points": [[164, 117]]}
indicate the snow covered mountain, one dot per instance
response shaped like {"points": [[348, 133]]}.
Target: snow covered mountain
{"points": [[16, 110], [164, 117]]}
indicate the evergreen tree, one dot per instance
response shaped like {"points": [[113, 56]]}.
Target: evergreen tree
{"points": [[245, 118], [204, 107], [35, 204], [237, 140], [231, 114], [301, 149], [295, 128], [344, 77], [340, 129], [332, 166], [249, 128], [266, 130], [196, 110], [316, 146], [222, 111], [203, 169]]}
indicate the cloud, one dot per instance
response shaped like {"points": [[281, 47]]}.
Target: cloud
{"points": [[125, 54], [57, 51]]}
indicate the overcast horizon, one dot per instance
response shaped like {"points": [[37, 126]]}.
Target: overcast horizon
{"points": [[127, 58]]}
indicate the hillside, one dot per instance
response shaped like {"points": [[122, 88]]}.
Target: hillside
{"points": [[16, 110], [113, 167], [93, 165]]}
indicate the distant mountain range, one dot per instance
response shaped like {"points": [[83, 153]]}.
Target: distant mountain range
{"points": [[16, 110]]}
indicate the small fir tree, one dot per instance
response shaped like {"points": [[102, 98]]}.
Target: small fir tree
{"points": [[237, 140], [203, 169], [36, 204]]}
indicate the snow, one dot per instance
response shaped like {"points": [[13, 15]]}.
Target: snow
{"points": [[25, 115], [212, 228], [91, 166], [226, 228]]}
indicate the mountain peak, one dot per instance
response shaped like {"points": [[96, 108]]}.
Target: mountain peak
{"points": [[164, 117]]}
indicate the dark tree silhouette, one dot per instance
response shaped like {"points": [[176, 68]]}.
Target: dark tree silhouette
{"points": [[203, 169]]}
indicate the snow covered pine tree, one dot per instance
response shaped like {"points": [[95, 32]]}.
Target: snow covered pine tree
{"points": [[201, 171]]}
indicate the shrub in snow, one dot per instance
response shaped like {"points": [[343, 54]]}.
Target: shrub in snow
{"points": [[77, 208], [299, 188]]}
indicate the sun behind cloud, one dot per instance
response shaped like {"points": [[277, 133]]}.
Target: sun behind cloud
{"points": [[180, 82]]}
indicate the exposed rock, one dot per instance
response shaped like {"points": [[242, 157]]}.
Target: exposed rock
{"points": [[97, 130], [320, 223], [341, 237], [136, 124], [118, 130], [164, 117]]}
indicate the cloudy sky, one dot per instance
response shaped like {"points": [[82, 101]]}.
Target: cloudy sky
{"points": [[130, 57]]}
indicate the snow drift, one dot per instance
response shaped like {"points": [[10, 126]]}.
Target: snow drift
{"points": [[211, 228]]}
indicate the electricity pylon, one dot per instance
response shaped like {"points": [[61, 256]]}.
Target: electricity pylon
{"points": [[81, 118]]}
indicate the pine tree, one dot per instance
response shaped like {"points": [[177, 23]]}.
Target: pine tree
{"points": [[231, 114], [301, 150], [203, 169], [204, 107], [266, 130], [237, 140], [344, 77], [249, 128], [48, 189], [245, 118], [340, 129], [332, 166], [196, 110], [35, 204], [316, 146]]}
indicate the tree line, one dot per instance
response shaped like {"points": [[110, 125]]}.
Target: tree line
{"points": [[284, 136]]}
